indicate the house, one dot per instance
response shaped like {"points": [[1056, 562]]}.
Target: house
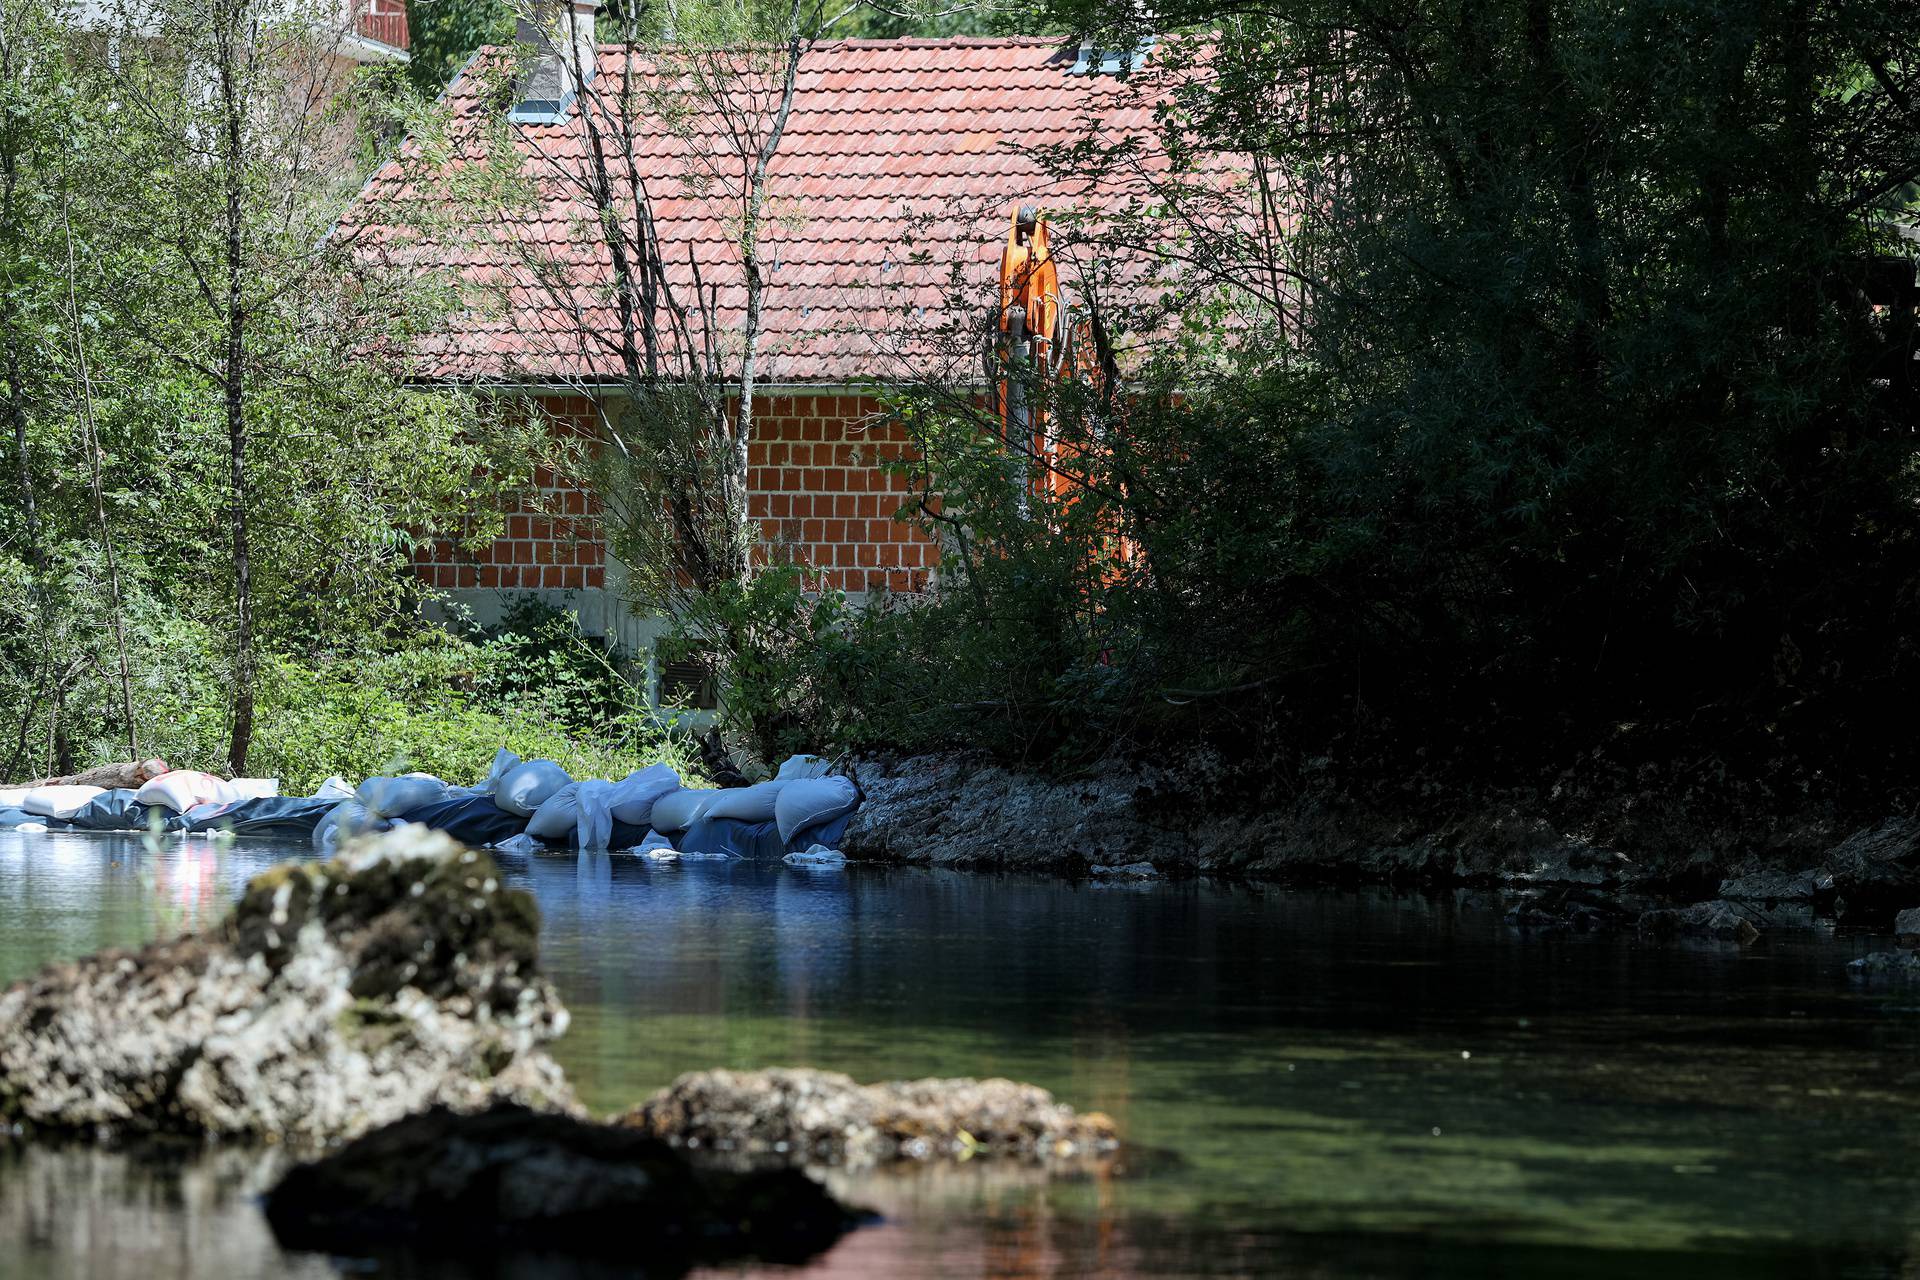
{"points": [[891, 191]]}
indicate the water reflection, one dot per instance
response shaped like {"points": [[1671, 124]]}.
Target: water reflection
{"points": [[1355, 1084]]}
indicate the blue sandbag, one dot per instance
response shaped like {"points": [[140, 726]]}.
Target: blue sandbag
{"points": [[266, 816], [116, 810], [473, 820]]}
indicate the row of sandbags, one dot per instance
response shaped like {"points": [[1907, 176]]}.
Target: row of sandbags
{"points": [[175, 792], [518, 798], [553, 808]]}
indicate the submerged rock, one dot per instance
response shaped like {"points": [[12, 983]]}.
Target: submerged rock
{"points": [[1717, 921], [510, 1179], [1568, 909], [803, 1116], [1772, 886], [337, 996], [1876, 871], [1906, 927], [1892, 966], [1130, 871]]}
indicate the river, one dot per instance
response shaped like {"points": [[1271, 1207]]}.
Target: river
{"points": [[1324, 1084]]}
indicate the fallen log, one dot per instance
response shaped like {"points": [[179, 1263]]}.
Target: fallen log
{"points": [[132, 774]]}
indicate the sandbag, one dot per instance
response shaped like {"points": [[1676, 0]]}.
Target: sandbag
{"points": [[473, 820], [12, 818], [803, 767], [256, 788], [749, 804], [334, 788], [179, 790], [345, 820], [116, 810], [634, 795], [526, 787], [807, 802], [59, 802], [579, 813], [504, 763], [397, 797], [678, 810], [13, 797]]}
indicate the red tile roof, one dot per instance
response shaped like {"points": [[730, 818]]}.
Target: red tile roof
{"points": [[902, 160]]}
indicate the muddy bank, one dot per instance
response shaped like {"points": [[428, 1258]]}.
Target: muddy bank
{"points": [[961, 810]]}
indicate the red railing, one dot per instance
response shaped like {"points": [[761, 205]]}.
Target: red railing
{"points": [[383, 20]]}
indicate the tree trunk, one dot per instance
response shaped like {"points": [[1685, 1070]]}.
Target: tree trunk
{"points": [[233, 371]]}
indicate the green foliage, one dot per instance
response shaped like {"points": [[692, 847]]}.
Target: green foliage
{"points": [[429, 700], [1526, 387]]}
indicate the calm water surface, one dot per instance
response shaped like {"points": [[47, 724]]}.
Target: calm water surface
{"points": [[1344, 1084]]}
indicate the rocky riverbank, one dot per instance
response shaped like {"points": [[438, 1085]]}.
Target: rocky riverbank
{"points": [[1130, 820], [336, 997]]}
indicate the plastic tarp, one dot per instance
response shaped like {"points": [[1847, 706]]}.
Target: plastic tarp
{"points": [[118, 810], [265, 816], [473, 820], [526, 787], [12, 817], [397, 797], [735, 838], [808, 802], [59, 802], [731, 837]]}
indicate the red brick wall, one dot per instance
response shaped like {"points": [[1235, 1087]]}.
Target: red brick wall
{"points": [[817, 491], [822, 499], [552, 540]]}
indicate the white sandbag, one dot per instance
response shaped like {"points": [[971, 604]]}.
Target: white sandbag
{"points": [[13, 798], [397, 797], [749, 804], [58, 802], [184, 789], [635, 794], [803, 767], [257, 788], [806, 802], [580, 812], [504, 762], [334, 788], [678, 810], [526, 787], [816, 856], [655, 846]]}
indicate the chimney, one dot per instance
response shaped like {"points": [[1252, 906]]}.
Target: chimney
{"points": [[557, 55]]}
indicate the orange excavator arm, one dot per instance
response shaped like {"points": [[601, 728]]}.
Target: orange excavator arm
{"points": [[1033, 333]]}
